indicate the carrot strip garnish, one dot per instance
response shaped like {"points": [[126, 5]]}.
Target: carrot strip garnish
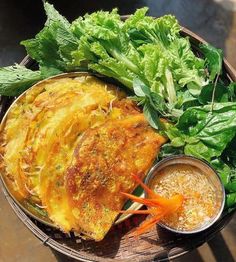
{"points": [[146, 188], [146, 225], [154, 196], [160, 206], [140, 199]]}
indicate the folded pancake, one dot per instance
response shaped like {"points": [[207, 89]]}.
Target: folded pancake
{"points": [[52, 183], [68, 147], [12, 141], [38, 120], [103, 162], [40, 135]]}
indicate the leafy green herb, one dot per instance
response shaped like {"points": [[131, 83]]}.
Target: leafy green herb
{"points": [[168, 150], [16, 79], [213, 58], [151, 115], [140, 89], [232, 91], [142, 47], [221, 93], [52, 46], [231, 200], [209, 135], [214, 130], [156, 55]]}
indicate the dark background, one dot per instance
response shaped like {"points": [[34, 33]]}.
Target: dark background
{"points": [[22, 19]]}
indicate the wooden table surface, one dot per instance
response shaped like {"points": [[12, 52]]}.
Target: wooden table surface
{"points": [[214, 21]]}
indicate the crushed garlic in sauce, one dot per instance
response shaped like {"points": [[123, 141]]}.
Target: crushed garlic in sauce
{"points": [[200, 200]]}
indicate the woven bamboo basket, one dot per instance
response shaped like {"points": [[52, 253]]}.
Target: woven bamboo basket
{"points": [[156, 245]]}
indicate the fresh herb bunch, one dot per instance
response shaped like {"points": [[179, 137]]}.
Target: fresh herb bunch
{"points": [[150, 58], [141, 51]]}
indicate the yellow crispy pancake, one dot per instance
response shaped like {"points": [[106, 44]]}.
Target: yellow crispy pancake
{"points": [[40, 134], [52, 182], [37, 120], [103, 162]]}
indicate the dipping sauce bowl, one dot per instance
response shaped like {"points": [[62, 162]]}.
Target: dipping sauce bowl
{"points": [[201, 187]]}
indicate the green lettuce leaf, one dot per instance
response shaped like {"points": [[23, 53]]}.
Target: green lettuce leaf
{"points": [[143, 29], [163, 33], [105, 48], [163, 62]]}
